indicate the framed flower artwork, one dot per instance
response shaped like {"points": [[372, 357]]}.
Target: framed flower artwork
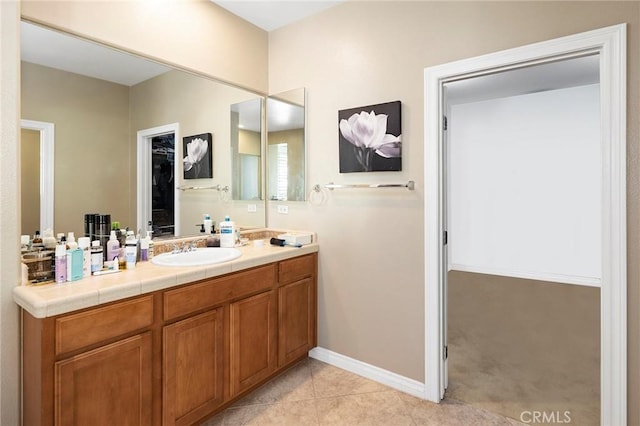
{"points": [[369, 138], [198, 156]]}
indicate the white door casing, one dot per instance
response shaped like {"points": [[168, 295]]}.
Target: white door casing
{"points": [[610, 43], [143, 215], [47, 149]]}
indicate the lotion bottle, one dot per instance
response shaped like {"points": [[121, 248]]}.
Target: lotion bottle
{"points": [[227, 233], [61, 262], [113, 246], [96, 256], [150, 253], [84, 244], [131, 250]]}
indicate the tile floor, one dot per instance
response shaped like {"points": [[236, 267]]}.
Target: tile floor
{"points": [[315, 393]]}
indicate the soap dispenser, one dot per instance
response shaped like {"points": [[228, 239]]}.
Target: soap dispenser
{"points": [[207, 224]]}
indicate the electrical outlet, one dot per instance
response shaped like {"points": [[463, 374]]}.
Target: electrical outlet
{"points": [[251, 208], [282, 209]]}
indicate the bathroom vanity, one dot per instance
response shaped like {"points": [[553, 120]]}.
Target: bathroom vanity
{"points": [[170, 346]]}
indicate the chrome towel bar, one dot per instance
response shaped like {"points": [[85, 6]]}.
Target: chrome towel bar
{"points": [[409, 185], [214, 187]]}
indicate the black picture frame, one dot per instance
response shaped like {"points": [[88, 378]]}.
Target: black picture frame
{"points": [[362, 145], [197, 159]]}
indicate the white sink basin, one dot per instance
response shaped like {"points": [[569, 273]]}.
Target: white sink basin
{"points": [[198, 257]]}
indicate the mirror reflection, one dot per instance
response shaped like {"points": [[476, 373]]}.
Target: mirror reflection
{"points": [[286, 151], [114, 114], [246, 149]]}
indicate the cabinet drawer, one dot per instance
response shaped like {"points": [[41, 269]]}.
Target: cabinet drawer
{"points": [[193, 298], [87, 328], [296, 269]]}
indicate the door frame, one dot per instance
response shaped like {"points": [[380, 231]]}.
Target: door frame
{"points": [[610, 43], [143, 210], [47, 182]]}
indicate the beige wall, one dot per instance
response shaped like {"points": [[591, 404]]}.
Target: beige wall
{"points": [[371, 279], [9, 212], [371, 284], [30, 181], [248, 142], [194, 34], [91, 143], [198, 105]]}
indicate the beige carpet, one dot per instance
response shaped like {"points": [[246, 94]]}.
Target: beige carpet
{"points": [[517, 347]]}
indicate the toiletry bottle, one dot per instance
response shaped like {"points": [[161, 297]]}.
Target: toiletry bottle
{"points": [[71, 241], [48, 240], [138, 246], [144, 250], [97, 256], [37, 241], [151, 252], [113, 246], [84, 244], [74, 264], [61, 262], [25, 243], [207, 224], [227, 233], [131, 250]]}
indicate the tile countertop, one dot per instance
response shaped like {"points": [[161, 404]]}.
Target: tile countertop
{"points": [[54, 299]]}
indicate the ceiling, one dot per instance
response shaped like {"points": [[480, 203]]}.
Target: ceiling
{"points": [[561, 74], [61, 51], [271, 15]]}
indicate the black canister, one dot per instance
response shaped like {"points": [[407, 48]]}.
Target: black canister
{"points": [[103, 230], [90, 225]]}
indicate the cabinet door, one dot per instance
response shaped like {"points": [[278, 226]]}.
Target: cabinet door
{"points": [[107, 386], [296, 320], [253, 340], [193, 376]]}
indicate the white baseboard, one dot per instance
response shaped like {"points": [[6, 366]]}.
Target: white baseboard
{"points": [[377, 374]]}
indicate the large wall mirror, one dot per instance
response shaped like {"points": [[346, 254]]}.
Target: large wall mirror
{"points": [[108, 107], [286, 150]]}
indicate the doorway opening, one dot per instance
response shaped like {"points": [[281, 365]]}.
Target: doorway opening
{"points": [[522, 184], [158, 202], [610, 44], [39, 213], [162, 195]]}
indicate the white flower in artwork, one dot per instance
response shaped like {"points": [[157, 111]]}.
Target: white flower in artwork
{"points": [[367, 132], [196, 151]]}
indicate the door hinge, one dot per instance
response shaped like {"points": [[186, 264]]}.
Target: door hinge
{"points": [[445, 238], [446, 352], [444, 122]]}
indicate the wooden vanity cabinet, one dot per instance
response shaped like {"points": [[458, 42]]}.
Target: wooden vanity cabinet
{"points": [[90, 367], [106, 386], [172, 357], [253, 340], [193, 368]]}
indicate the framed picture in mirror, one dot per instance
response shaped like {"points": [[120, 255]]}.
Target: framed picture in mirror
{"points": [[198, 156]]}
